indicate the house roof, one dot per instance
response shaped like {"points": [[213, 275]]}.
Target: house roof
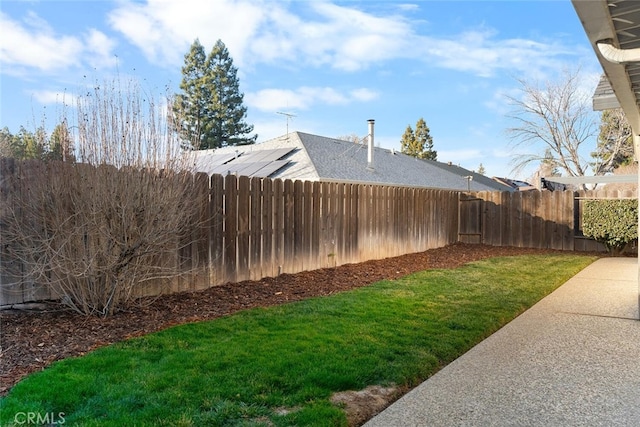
{"points": [[317, 158], [604, 98]]}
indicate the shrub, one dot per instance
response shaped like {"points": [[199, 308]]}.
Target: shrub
{"points": [[613, 223], [98, 231]]}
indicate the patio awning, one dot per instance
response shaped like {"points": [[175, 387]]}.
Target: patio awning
{"points": [[616, 23]]}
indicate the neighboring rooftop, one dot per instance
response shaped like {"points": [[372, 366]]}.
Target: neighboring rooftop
{"points": [[306, 157], [604, 98], [517, 185]]}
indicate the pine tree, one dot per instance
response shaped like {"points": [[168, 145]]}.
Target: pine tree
{"points": [[209, 113], [481, 169], [190, 108], [425, 141], [407, 143], [419, 143], [24, 144], [60, 144]]}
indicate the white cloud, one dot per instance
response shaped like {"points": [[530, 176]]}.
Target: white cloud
{"points": [[31, 44], [100, 49], [320, 34], [258, 32], [302, 98], [163, 30], [408, 7], [358, 39], [364, 94], [275, 100], [34, 45], [52, 97], [482, 53]]}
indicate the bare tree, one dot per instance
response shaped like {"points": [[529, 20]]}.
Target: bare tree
{"points": [[556, 120], [354, 138], [98, 231]]}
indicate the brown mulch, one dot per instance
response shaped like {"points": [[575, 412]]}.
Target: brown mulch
{"points": [[30, 341]]}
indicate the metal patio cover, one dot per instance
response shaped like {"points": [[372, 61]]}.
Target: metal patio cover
{"points": [[616, 23]]}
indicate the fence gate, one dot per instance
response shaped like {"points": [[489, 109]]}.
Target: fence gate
{"points": [[470, 219]]}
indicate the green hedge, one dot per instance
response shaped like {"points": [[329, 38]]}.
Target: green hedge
{"points": [[611, 222]]}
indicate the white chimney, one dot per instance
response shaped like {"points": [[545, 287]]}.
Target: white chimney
{"points": [[370, 151]]}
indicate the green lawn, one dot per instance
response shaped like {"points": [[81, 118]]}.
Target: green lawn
{"points": [[245, 368]]}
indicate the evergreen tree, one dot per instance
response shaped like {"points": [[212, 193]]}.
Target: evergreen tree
{"points": [[425, 141], [209, 113], [419, 143], [6, 143], [24, 144], [190, 108], [60, 145], [407, 143], [481, 169]]}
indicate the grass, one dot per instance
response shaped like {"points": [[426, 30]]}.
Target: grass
{"points": [[280, 365]]}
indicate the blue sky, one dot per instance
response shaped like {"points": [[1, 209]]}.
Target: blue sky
{"points": [[334, 64]]}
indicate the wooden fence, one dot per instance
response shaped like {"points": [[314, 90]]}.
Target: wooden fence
{"points": [[261, 227], [254, 228], [531, 219]]}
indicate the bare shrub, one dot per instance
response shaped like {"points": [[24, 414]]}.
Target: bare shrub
{"points": [[98, 231]]}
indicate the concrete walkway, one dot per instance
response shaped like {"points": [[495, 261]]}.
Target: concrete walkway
{"points": [[573, 359]]}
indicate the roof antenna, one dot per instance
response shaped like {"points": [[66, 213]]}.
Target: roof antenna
{"points": [[289, 116]]}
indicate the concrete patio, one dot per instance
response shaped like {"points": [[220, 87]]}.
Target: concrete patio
{"points": [[573, 359]]}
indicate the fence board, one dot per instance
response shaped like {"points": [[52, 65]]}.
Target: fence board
{"points": [[278, 217], [244, 202], [336, 223], [340, 224], [201, 238], [354, 238], [325, 220], [346, 225], [255, 230], [216, 244], [568, 220], [289, 230], [377, 244], [515, 229], [268, 260], [317, 224], [308, 260], [231, 227], [298, 228]]}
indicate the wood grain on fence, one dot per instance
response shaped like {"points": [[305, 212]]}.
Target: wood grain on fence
{"points": [[249, 228], [532, 219]]}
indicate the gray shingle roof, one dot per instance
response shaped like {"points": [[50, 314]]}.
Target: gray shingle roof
{"points": [[318, 158], [340, 160], [604, 98]]}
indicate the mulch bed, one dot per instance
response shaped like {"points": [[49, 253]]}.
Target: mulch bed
{"points": [[31, 340]]}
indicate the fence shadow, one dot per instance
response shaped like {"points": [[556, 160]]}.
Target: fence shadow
{"points": [[533, 219]]}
